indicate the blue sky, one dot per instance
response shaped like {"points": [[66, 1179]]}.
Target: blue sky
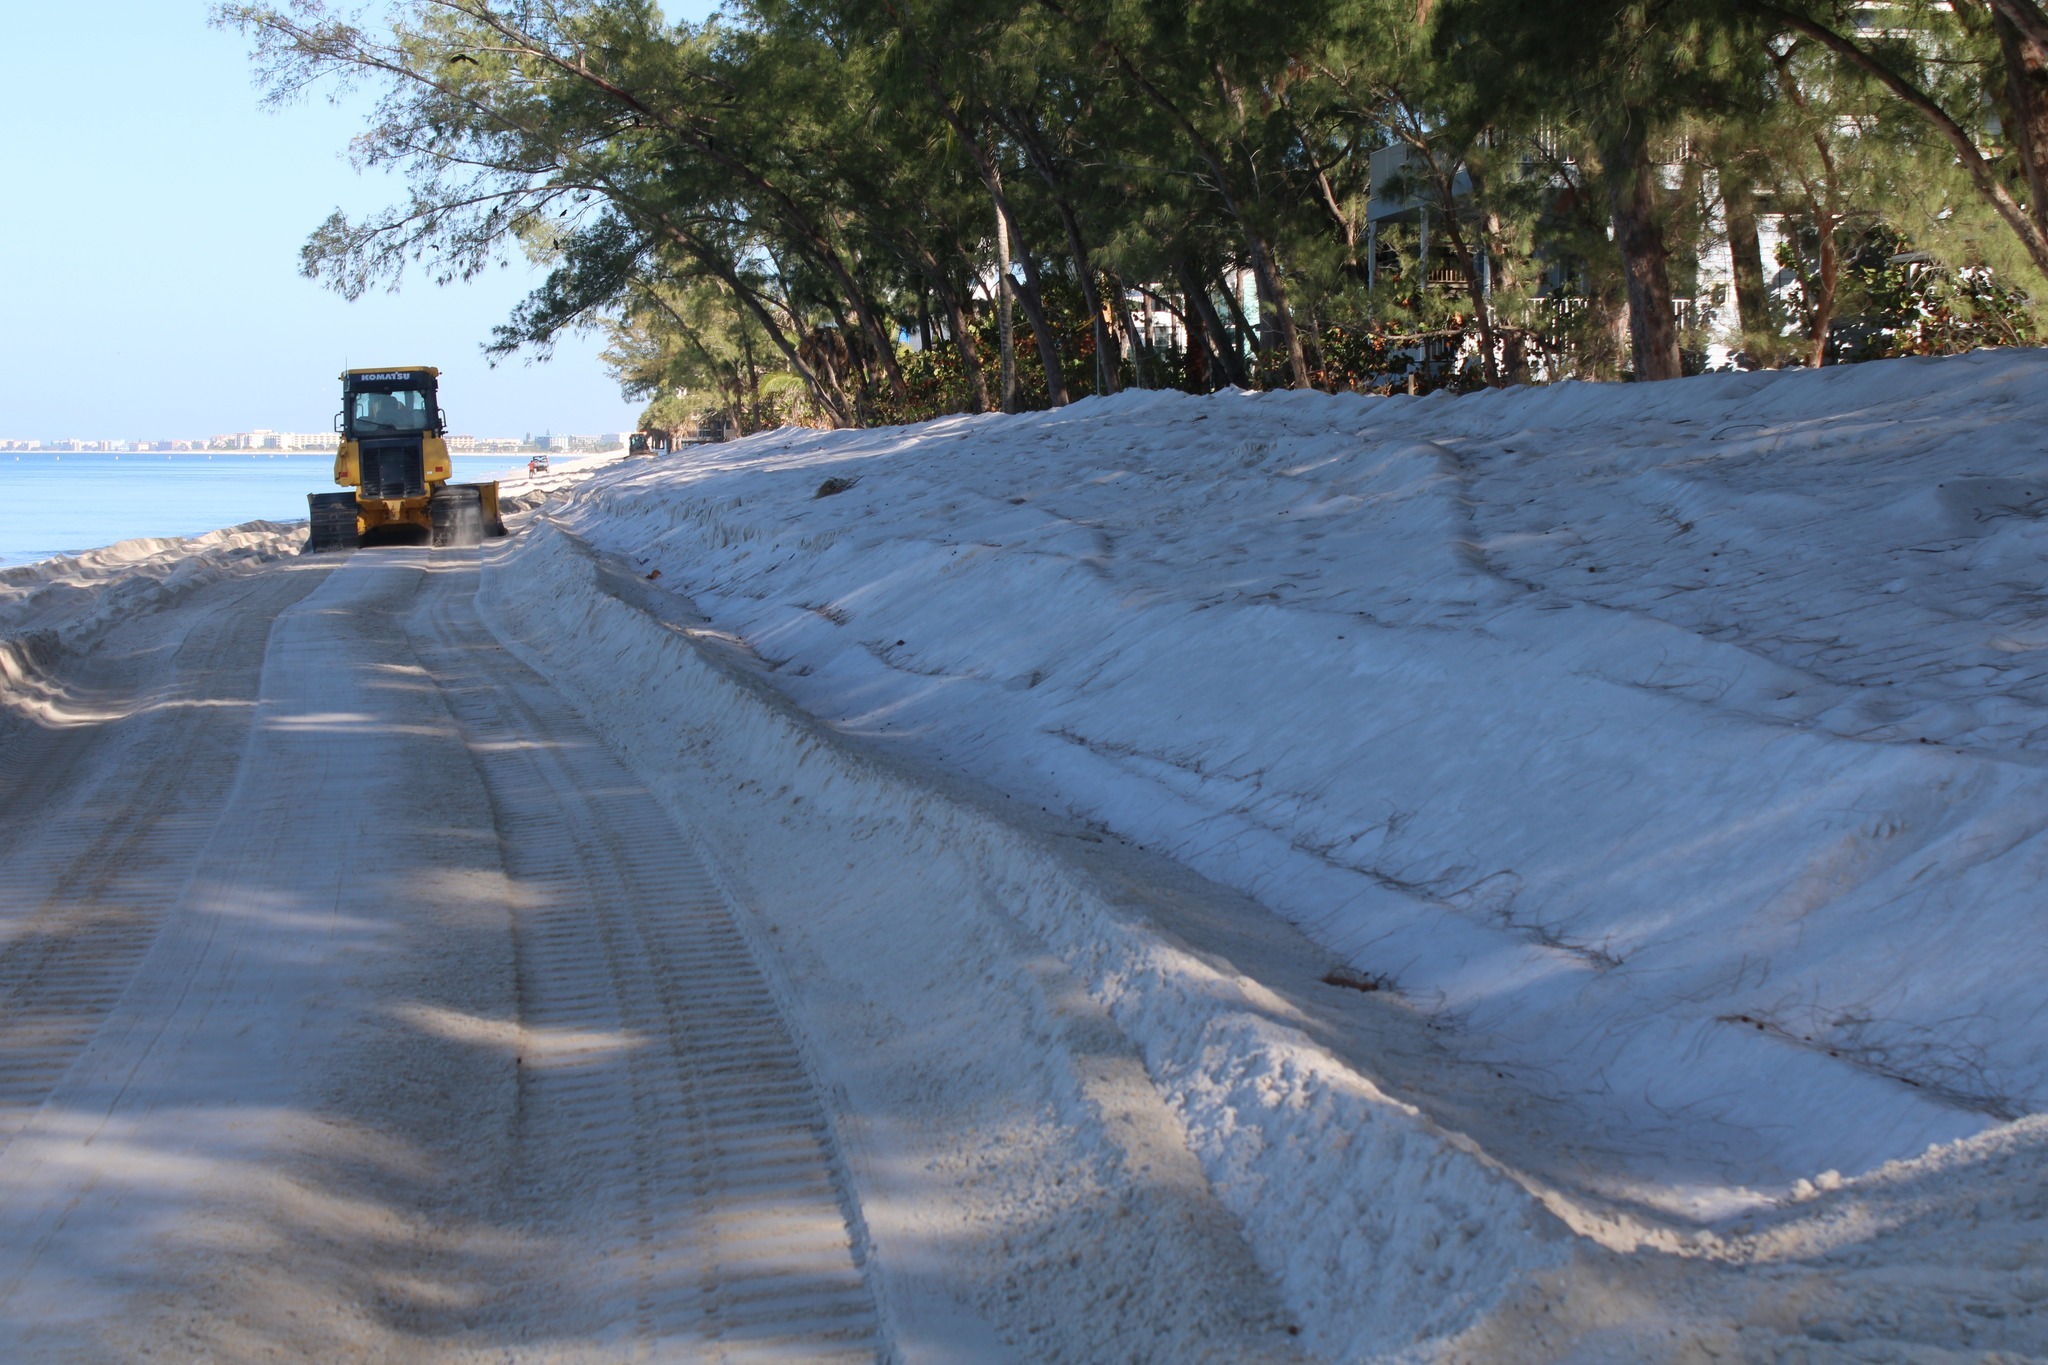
{"points": [[151, 212]]}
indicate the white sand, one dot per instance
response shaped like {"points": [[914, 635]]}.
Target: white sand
{"points": [[1665, 758]]}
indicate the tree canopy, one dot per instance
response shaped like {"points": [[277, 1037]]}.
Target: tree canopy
{"points": [[857, 211]]}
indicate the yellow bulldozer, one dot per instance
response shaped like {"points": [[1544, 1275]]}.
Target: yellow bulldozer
{"points": [[394, 462]]}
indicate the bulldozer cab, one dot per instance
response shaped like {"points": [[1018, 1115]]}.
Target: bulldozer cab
{"points": [[378, 403]]}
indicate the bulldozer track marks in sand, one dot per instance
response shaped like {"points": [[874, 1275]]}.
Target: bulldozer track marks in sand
{"points": [[249, 858], [662, 1101], [102, 824]]}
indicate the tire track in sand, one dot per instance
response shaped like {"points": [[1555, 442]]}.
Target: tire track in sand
{"points": [[103, 824], [666, 1118]]}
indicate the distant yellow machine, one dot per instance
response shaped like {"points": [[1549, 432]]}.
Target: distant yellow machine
{"points": [[394, 459]]}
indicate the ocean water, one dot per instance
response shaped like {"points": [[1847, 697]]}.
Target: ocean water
{"points": [[62, 503]]}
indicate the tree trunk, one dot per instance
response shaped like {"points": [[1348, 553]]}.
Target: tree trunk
{"points": [[1109, 350], [1822, 203], [1752, 296], [1130, 326], [1106, 360], [1031, 297], [2026, 94], [694, 248], [1267, 332], [1639, 234], [1475, 281], [1229, 362], [853, 366], [1266, 272], [963, 342], [2030, 23], [857, 369], [1199, 366], [1507, 280], [1029, 293], [1822, 206], [1824, 293], [1243, 332], [961, 335], [753, 395], [1006, 319]]}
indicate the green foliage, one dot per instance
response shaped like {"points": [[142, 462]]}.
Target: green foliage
{"points": [[1904, 302], [757, 211]]}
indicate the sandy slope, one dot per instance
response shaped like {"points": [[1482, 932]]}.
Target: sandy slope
{"points": [[1406, 1199], [1665, 751], [1673, 744], [928, 922]]}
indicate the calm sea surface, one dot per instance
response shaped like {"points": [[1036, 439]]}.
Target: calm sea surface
{"points": [[53, 504]]}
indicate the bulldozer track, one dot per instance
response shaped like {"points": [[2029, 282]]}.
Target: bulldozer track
{"points": [[102, 825], [662, 1102], [227, 1117]]}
